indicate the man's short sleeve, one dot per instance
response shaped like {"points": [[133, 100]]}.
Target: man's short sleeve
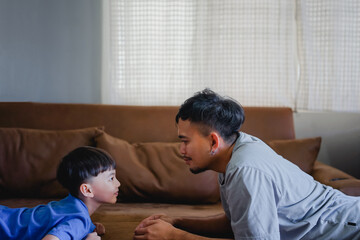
{"points": [[251, 198]]}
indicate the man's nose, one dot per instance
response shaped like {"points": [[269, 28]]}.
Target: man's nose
{"points": [[182, 149]]}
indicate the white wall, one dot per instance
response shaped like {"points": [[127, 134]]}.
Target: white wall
{"points": [[50, 50], [340, 134]]}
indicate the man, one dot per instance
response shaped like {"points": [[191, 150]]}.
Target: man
{"points": [[263, 195]]}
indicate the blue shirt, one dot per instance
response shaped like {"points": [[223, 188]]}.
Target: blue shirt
{"points": [[66, 219], [267, 197]]}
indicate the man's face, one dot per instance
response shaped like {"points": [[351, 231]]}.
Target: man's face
{"points": [[195, 147]]}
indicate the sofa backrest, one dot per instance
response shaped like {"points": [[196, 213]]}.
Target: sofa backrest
{"points": [[142, 140], [135, 123]]}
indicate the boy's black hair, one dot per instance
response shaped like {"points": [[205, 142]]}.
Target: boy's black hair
{"points": [[81, 164], [213, 112]]}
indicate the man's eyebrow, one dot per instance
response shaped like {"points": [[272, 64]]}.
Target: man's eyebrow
{"points": [[181, 136]]}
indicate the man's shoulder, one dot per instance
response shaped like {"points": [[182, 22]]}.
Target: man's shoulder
{"points": [[249, 150]]}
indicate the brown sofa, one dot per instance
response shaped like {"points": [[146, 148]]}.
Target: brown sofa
{"points": [[143, 141]]}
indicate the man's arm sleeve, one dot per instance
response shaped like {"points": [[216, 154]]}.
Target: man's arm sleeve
{"points": [[252, 200]]}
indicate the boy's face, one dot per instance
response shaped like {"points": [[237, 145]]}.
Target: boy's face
{"points": [[105, 187]]}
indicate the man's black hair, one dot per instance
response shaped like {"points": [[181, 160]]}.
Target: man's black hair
{"points": [[81, 164], [213, 112]]}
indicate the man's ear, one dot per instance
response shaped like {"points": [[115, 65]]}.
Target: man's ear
{"points": [[86, 190], [215, 141]]}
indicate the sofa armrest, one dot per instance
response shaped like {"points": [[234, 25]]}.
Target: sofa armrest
{"points": [[336, 178]]}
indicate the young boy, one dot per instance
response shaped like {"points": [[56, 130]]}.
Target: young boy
{"points": [[89, 175]]}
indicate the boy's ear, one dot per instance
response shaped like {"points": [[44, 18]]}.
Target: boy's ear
{"points": [[86, 190]]}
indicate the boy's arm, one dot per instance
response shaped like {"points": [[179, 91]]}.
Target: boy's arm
{"points": [[90, 236], [76, 228], [50, 237], [93, 236]]}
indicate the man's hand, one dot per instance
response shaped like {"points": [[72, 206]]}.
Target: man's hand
{"points": [[154, 217], [93, 236], [154, 228]]}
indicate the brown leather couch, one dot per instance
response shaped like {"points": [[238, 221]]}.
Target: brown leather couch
{"points": [[143, 141]]}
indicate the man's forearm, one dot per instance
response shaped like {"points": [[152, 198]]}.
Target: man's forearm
{"points": [[183, 235], [161, 227], [215, 226]]}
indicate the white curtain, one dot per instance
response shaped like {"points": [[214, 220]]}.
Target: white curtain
{"points": [[161, 52], [302, 54], [329, 55]]}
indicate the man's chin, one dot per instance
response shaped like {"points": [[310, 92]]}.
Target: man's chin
{"points": [[197, 170]]}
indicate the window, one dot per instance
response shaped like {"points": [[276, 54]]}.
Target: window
{"points": [[300, 54]]}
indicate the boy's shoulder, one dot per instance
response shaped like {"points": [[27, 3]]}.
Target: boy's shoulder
{"points": [[69, 204], [73, 214]]}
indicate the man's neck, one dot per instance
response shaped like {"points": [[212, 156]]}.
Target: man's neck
{"points": [[225, 158]]}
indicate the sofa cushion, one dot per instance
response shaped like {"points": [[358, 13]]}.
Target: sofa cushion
{"points": [[155, 172], [302, 152], [29, 159]]}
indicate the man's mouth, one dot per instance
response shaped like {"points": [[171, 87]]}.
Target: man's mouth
{"points": [[187, 160]]}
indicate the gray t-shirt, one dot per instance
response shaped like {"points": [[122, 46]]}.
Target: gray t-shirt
{"points": [[267, 197]]}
